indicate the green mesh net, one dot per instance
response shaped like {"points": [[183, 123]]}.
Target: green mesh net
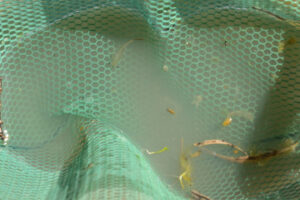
{"points": [[89, 85]]}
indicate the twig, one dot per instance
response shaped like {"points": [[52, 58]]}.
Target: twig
{"points": [[198, 196], [269, 13], [211, 142], [256, 158]]}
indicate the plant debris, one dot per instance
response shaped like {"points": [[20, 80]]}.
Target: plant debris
{"points": [[290, 147], [185, 164], [156, 152], [223, 142], [269, 13], [198, 196]]}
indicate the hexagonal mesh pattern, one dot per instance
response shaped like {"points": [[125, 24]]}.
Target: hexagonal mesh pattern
{"points": [[87, 84]]}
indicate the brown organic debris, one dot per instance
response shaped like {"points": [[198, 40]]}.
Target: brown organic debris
{"points": [[247, 158], [269, 13], [198, 196], [223, 142]]}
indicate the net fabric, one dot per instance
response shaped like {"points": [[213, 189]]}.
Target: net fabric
{"points": [[57, 77], [102, 172]]}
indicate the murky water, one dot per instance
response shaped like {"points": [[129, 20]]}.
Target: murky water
{"points": [[202, 82]]}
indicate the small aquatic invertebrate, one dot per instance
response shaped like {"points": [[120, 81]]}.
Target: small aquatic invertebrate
{"points": [[227, 121], [239, 113]]}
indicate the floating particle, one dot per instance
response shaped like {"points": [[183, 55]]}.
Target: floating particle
{"points": [[118, 55], [197, 100], [156, 152], [227, 121], [165, 68], [171, 111], [225, 43]]}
